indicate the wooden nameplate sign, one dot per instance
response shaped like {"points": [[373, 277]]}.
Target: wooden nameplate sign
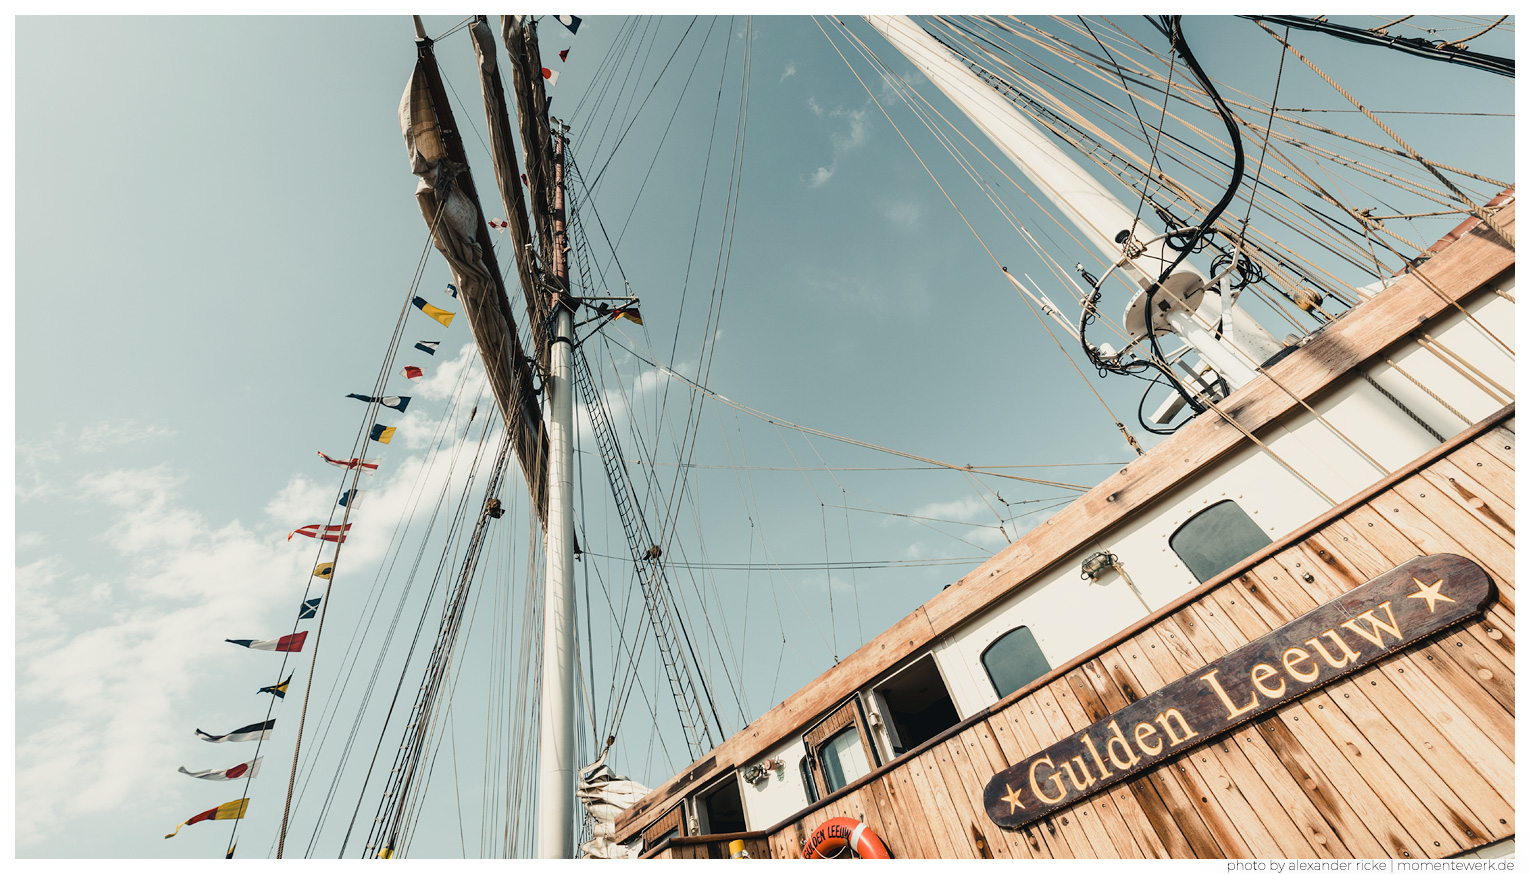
{"points": [[1373, 620]]}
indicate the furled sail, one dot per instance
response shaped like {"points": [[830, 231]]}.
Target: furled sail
{"points": [[507, 175], [449, 204], [531, 106], [605, 795]]}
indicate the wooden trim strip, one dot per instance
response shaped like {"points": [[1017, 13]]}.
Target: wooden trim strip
{"points": [[693, 840], [1469, 264]]}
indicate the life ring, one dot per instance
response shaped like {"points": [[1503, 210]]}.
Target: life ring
{"points": [[829, 839]]}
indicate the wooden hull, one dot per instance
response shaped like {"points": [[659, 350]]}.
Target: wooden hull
{"points": [[1409, 757]]}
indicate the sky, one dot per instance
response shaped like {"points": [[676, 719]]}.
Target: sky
{"points": [[215, 236]]}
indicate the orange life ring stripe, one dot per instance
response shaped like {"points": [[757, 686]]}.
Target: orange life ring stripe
{"points": [[833, 836]]}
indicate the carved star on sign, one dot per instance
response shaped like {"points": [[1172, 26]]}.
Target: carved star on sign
{"points": [[1013, 798], [1430, 594]]}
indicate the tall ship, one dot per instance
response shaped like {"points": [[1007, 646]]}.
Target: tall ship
{"points": [[1283, 629], [1235, 646]]}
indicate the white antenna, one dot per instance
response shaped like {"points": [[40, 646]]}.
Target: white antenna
{"points": [[1044, 302]]}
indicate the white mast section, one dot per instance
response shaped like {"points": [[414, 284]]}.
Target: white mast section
{"points": [[1075, 193], [558, 770], [1183, 304]]}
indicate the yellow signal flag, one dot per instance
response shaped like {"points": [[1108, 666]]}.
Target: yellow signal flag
{"points": [[382, 434], [230, 810], [325, 570], [440, 315]]}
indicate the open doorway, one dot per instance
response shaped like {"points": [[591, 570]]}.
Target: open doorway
{"points": [[722, 809], [917, 704]]}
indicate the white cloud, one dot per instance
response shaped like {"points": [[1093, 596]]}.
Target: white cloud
{"points": [[894, 87], [854, 135], [29, 539], [112, 434], [815, 587], [790, 71], [966, 509], [109, 434], [37, 590], [442, 376], [114, 670], [904, 214], [303, 499], [624, 405], [37, 488], [858, 130], [34, 454], [147, 521], [990, 538], [983, 533], [110, 704]]}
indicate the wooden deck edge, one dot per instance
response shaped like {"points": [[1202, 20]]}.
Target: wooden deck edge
{"points": [[1479, 258], [692, 840], [1338, 511]]}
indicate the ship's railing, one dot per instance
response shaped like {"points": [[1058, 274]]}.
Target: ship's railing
{"points": [[709, 846]]}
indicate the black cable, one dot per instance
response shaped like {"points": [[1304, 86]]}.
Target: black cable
{"points": [[1182, 48], [1152, 146], [1433, 50]]}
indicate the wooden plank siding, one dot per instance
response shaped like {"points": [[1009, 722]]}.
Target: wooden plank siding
{"points": [[1433, 289], [1409, 757]]}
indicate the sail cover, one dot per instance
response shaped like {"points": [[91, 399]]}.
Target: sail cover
{"points": [[605, 796], [450, 206], [507, 171]]}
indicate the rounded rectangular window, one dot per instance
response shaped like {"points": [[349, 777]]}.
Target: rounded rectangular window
{"points": [[1217, 538], [843, 760], [810, 787], [1014, 660]]}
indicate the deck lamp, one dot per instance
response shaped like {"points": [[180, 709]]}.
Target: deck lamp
{"points": [[1097, 564]]}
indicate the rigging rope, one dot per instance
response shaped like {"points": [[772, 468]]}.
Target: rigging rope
{"points": [[1476, 210], [965, 220], [359, 442], [633, 120], [1268, 124]]}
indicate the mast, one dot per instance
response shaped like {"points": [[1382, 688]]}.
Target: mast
{"points": [[1072, 189], [1182, 305], [555, 792], [449, 204]]}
